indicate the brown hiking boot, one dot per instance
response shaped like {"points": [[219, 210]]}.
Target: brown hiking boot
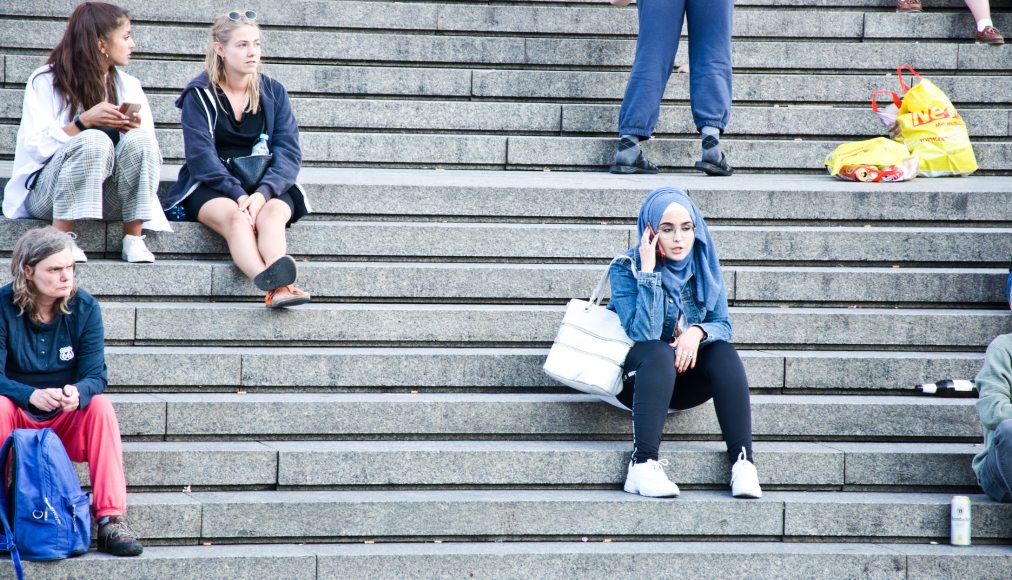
{"points": [[908, 5], [116, 537], [990, 35]]}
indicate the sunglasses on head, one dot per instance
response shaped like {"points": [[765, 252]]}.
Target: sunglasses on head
{"points": [[236, 16]]}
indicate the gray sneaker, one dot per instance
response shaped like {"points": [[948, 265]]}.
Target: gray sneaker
{"points": [[116, 538]]}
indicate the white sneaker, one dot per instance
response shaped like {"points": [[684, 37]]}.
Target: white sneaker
{"points": [[75, 250], [745, 478], [648, 479], [135, 250]]}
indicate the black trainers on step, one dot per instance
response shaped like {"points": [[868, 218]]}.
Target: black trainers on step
{"points": [[116, 538]]}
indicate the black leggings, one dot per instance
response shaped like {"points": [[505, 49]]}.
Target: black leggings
{"points": [[655, 388]]}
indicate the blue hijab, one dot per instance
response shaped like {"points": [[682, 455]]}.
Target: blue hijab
{"points": [[702, 262]]}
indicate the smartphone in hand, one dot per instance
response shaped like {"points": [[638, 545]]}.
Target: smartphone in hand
{"points": [[657, 248], [129, 109]]}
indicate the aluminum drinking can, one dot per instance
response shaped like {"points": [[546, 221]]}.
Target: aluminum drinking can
{"points": [[959, 520]]}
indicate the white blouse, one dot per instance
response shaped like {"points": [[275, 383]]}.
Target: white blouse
{"points": [[40, 136]]}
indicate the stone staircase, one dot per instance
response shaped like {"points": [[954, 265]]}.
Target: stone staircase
{"points": [[400, 425]]}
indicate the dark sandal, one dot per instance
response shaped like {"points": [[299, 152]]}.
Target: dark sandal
{"points": [[640, 165], [281, 273], [723, 169]]}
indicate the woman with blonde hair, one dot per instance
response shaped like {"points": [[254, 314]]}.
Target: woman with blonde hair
{"points": [[230, 111], [53, 373], [86, 145]]}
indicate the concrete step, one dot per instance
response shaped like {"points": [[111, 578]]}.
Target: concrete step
{"points": [[470, 48], [481, 282], [507, 560], [322, 324], [513, 19], [593, 197], [551, 118], [804, 89], [957, 246], [785, 87], [748, 154], [351, 464], [263, 416], [167, 368], [534, 514], [539, 152], [571, 463]]}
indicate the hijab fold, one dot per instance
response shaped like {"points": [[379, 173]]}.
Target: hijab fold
{"points": [[701, 263]]}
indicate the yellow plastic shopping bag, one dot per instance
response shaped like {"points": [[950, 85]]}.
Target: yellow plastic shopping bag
{"points": [[933, 130], [878, 159]]}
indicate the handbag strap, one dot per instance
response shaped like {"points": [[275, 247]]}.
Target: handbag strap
{"points": [[598, 294], [6, 454], [899, 71], [877, 92]]}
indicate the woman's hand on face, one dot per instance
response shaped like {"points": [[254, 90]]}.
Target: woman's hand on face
{"points": [[687, 348], [648, 252], [105, 115]]}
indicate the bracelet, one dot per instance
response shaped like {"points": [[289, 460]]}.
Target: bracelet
{"points": [[79, 124]]}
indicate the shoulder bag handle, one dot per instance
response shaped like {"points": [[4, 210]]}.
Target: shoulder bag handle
{"points": [[598, 294]]}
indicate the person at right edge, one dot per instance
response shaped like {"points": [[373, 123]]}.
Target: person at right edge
{"points": [[660, 24], [993, 465]]}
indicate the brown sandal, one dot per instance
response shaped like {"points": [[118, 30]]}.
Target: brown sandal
{"points": [[296, 297], [908, 5]]}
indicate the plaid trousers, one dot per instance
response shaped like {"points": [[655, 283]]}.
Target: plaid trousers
{"points": [[88, 178]]}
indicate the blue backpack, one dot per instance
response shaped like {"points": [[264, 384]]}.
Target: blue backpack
{"points": [[45, 513]]}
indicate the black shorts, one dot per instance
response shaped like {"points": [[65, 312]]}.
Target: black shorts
{"points": [[204, 194]]}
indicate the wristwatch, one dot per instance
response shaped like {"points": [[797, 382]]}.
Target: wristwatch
{"points": [[79, 124]]}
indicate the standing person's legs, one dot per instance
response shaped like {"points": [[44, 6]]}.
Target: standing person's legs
{"points": [[996, 471], [981, 10], [986, 32], [710, 24], [660, 24]]}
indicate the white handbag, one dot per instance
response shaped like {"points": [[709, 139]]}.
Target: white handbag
{"points": [[590, 349]]}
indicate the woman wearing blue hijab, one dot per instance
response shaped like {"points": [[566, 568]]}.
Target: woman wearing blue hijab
{"points": [[673, 305]]}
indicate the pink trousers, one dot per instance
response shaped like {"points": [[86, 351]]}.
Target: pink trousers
{"points": [[90, 434]]}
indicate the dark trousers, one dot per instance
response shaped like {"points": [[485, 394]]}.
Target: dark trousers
{"points": [[660, 23], [655, 387]]}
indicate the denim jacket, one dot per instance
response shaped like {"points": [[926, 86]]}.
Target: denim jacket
{"points": [[648, 313]]}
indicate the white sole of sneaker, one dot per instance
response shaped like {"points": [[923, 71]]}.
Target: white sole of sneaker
{"points": [[634, 491]]}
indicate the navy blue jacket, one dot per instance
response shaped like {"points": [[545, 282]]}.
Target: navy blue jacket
{"points": [[70, 350], [203, 165]]}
